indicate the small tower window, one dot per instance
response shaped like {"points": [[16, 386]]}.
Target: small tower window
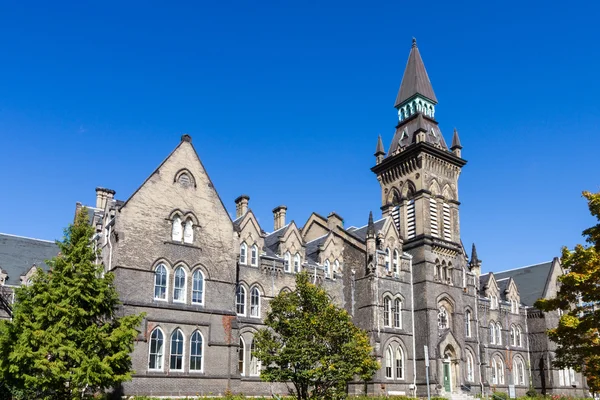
{"points": [[395, 261], [410, 219], [387, 260], [254, 256], [286, 261]]}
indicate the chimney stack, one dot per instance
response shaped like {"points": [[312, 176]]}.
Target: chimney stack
{"points": [[334, 220], [103, 195], [241, 205], [279, 217]]}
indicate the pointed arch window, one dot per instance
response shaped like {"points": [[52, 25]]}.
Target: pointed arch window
{"points": [[327, 267], [196, 352], [160, 282], [297, 262], [498, 333], [336, 268], [387, 311], [177, 230], [198, 287], [176, 363], [442, 318], [395, 261], [254, 363], [497, 371], [286, 261], [387, 260], [155, 359], [243, 253], [399, 363], [242, 357], [254, 256], [492, 332], [389, 359], [468, 323], [255, 303], [513, 335], [470, 368], [179, 285], [519, 343], [518, 372], [397, 313], [240, 300], [188, 232]]}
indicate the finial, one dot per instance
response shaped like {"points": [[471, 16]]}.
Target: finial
{"points": [[379, 149], [414, 42], [370, 225], [186, 138], [455, 141]]}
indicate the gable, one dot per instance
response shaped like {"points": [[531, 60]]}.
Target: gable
{"points": [[315, 227]]}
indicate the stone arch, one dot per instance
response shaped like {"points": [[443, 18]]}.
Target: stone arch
{"points": [[408, 190], [434, 188], [394, 197], [180, 177], [447, 192]]}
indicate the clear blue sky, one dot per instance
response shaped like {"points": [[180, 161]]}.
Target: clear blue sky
{"points": [[284, 102]]}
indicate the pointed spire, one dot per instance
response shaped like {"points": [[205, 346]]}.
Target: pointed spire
{"points": [[370, 225], [455, 141], [379, 150], [474, 258], [415, 79]]}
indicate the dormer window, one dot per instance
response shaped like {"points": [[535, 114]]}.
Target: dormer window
{"points": [[327, 266], [297, 263]]}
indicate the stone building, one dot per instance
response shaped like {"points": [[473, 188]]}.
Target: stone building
{"points": [[205, 279]]}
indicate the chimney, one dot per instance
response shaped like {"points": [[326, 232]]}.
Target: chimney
{"points": [[103, 195], [334, 220], [279, 217], [241, 205]]}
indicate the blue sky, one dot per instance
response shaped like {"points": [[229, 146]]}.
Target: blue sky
{"points": [[284, 102]]}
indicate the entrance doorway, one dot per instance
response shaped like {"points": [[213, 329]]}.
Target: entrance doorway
{"points": [[447, 376]]}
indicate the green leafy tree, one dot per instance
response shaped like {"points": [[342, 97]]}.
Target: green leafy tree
{"points": [[65, 340], [313, 344], [577, 334]]}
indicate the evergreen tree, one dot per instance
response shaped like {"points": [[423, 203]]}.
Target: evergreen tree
{"points": [[578, 331], [65, 340], [313, 344]]}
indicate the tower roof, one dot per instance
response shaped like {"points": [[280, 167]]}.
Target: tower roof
{"points": [[379, 149], [474, 258], [415, 79], [455, 141]]}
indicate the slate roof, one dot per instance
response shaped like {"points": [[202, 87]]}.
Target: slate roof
{"points": [[415, 79], [312, 248], [483, 280], [272, 238], [405, 134], [361, 232], [530, 280], [18, 254]]}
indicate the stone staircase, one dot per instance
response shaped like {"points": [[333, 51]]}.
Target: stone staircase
{"points": [[460, 396]]}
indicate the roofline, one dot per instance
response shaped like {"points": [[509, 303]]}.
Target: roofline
{"points": [[29, 238], [527, 266], [374, 222]]}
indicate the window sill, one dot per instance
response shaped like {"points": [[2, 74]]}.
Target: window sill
{"points": [[191, 246]]}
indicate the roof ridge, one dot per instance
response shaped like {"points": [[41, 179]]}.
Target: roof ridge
{"points": [[29, 238], [527, 266]]}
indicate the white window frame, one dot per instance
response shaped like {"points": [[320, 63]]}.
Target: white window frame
{"points": [[297, 263], [492, 332], [240, 290], [389, 363], [468, 323], [183, 288], [399, 357], [166, 283], [254, 362], [255, 308], [327, 268], [160, 354], [470, 368], [498, 333], [287, 262], [397, 313], [201, 356], [395, 261], [254, 256], [387, 311], [242, 349], [203, 289], [336, 269], [243, 253], [172, 354], [519, 336]]}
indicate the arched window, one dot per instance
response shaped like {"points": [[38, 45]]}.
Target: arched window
{"points": [[336, 268], [286, 262], [499, 370], [179, 285], [468, 323], [155, 360], [196, 351], [519, 343], [399, 363], [254, 256], [297, 262], [442, 318], [240, 300], [395, 261], [254, 363], [242, 357], [498, 333], [243, 253], [188, 232], [255, 302], [198, 287], [397, 313], [327, 269], [513, 333], [387, 311], [160, 283], [387, 260], [176, 363], [389, 357], [492, 332], [177, 232], [518, 372], [470, 368]]}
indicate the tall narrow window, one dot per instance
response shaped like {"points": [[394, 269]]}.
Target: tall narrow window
{"points": [[518, 341], [395, 261], [160, 283], [513, 338], [297, 263], [155, 360], [520, 372], [492, 332], [327, 267], [242, 357], [240, 300], [468, 323], [433, 216], [198, 287], [188, 232], [254, 256], [470, 368], [500, 369], [254, 363], [176, 232], [447, 223], [243, 253], [387, 306], [410, 219], [387, 260], [179, 286], [389, 357], [176, 351], [442, 318], [286, 262], [255, 302], [399, 363], [397, 313], [196, 352], [498, 333], [336, 268]]}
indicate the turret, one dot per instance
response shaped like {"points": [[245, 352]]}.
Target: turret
{"points": [[379, 152], [475, 263], [456, 147]]}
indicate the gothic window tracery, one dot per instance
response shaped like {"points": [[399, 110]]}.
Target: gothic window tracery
{"points": [[442, 318]]}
